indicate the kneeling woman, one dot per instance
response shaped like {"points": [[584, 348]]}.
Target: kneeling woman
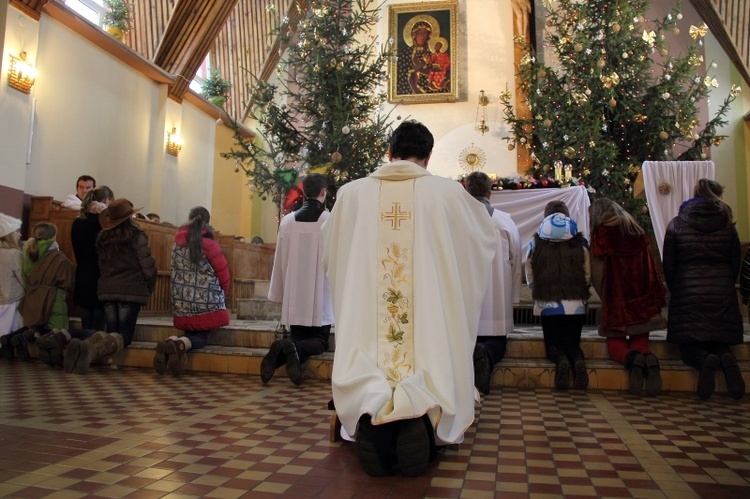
{"points": [[200, 283]]}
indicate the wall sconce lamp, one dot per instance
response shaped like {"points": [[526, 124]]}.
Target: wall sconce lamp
{"points": [[174, 142], [21, 75], [482, 113]]}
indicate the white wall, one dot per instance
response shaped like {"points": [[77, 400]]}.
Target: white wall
{"points": [[99, 116], [731, 158], [21, 34]]}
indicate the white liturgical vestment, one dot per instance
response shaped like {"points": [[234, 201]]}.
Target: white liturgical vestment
{"points": [[504, 288], [407, 256], [298, 279]]}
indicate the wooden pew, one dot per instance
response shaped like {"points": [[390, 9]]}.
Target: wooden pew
{"points": [[248, 263]]}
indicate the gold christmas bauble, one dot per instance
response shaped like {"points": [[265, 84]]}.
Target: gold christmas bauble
{"points": [[511, 146], [663, 135], [664, 52], [616, 27], [548, 123], [612, 102], [336, 157], [676, 31], [578, 47], [542, 73]]}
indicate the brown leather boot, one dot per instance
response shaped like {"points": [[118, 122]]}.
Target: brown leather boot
{"points": [[176, 357]]}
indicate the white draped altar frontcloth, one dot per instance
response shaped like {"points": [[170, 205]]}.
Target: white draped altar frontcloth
{"points": [[526, 207], [681, 177]]}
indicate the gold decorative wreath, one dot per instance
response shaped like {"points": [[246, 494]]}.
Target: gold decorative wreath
{"points": [[665, 188]]}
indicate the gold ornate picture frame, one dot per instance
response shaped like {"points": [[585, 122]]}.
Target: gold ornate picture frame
{"points": [[425, 38]]}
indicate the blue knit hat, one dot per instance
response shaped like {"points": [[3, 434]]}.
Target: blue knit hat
{"points": [[557, 227]]}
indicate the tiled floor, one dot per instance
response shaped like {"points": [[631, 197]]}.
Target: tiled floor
{"points": [[131, 433]]}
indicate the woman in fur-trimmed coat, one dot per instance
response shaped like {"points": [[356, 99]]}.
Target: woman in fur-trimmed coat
{"points": [[625, 277], [200, 286]]}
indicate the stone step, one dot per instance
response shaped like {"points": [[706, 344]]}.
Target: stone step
{"points": [[510, 372], [240, 347], [258, 309]]}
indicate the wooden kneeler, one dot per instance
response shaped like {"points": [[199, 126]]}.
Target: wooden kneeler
{"points": [[335, 429]]}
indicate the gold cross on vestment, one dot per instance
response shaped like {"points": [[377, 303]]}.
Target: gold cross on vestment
{"points": [[395, 216]]}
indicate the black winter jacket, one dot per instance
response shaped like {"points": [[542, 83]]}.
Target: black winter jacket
{"points": [[701, 265]]}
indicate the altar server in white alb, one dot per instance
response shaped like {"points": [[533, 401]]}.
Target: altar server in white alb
{"points": [[503, 290], [407, 255], [299, 282]]}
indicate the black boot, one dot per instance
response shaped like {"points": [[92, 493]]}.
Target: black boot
{"points": [[562, 371], [482, 369], [735, 383], [707, 376], [635, 362], [653, 374], [21, 343], [375, 446], [7, 348], [580, 372]]}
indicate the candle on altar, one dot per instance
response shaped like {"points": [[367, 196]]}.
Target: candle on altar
{"points": [[558, 170], [568, 172]]}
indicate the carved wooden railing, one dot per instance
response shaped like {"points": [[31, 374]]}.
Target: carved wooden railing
{"points": [[729, 21], [248, 263]]}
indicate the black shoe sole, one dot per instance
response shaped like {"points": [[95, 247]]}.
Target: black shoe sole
{"points": [[653, 375], [735, 383], [374, 447], [482, 369], [562, 374], [635, 378], [413, 447], [293, 366], [707, 377], [269, 362], [580, 375]]}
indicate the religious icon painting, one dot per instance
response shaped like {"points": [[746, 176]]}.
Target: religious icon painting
{"points": [[424, 37]]}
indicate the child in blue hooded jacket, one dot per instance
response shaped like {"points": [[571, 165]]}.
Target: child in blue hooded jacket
{"points": [[558, 273]]}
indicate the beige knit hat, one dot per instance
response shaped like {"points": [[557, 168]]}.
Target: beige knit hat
{"points": [[8, 224]]}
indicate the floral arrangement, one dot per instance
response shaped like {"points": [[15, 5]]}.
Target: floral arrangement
{"points": [[519, 181]]}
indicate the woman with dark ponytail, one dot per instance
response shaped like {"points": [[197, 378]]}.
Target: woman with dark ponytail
{"points": [[200, 284]]}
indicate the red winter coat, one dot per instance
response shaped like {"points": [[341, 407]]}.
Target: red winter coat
{"points": [[629, 286], [199, 291]]}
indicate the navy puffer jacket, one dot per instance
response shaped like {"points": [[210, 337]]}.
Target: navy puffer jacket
{"points": [[701, 265]]}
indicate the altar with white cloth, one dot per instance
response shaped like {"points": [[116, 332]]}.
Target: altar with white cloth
{"points": [[526, 207], [667, 185]]}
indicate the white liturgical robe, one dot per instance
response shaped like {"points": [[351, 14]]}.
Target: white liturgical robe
{"points": [[406, 255], [504, 288], [298, 279]]}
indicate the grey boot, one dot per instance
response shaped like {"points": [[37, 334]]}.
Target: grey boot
{"points": [[87, 351]]}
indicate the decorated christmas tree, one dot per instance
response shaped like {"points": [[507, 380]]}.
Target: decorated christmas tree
{"points": [[613, 98], [326, 114]]}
